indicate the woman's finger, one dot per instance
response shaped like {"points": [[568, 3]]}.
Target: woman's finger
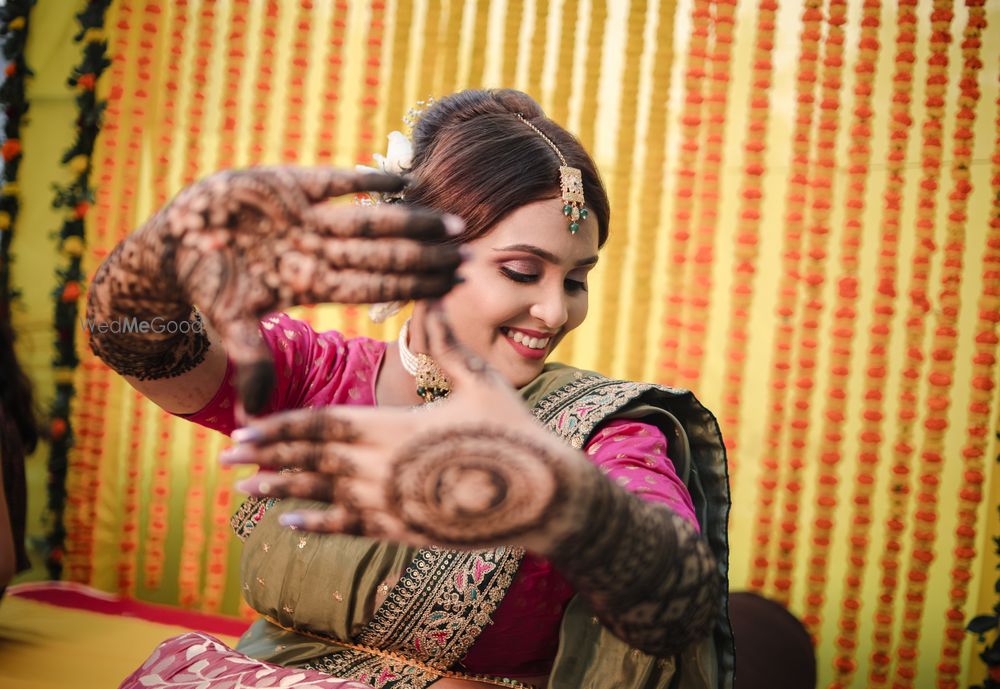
{"points": [[364, 287], [316, 425], [325, 458], [390, 255], [382, 221], [336, 519], [304, 485], [320, 183]]}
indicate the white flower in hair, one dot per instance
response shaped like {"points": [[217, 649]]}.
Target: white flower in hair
{"points": [[398, 157]]}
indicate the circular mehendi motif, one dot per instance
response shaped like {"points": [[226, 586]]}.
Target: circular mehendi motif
{"points": [[475, 485]]}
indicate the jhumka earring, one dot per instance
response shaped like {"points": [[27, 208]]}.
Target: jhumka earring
{"points": [[432, 384], [570, 183]]}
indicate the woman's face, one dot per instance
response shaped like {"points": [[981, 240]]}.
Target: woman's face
{"points": [[525, 288]]}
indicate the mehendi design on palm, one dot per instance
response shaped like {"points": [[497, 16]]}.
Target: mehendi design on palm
{"points": [[240, 244]]}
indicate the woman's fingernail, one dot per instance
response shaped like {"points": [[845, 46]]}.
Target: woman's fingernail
{"points": [[246, 485], [292, 520], [453, 224], [247, 434], [236, 455]]}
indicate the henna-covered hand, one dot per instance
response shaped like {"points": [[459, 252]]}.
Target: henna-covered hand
{"points": [[242, 243], [477, 470]]}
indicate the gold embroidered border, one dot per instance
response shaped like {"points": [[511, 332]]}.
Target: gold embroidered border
{"points": [[440, 605], [245, 518], [576, 408]]}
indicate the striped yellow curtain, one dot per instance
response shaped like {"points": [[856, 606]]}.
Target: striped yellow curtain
{"points": [[805, 231]]}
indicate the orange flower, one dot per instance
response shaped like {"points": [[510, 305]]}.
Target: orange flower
{"points": [[81, 209], [11, 69], [86, 81], [71, 292], [58, 429], [11, 149]]}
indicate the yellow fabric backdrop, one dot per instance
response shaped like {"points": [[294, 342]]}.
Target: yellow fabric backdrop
{"points": [[712, 136]]}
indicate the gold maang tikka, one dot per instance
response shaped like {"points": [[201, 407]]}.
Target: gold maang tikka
{"points": [[570, 183]]}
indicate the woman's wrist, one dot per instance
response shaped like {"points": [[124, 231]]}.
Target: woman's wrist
{"points": [[647, 572], [140, 321]]}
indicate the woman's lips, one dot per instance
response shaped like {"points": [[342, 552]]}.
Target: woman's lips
{"points": [[522, 348]]}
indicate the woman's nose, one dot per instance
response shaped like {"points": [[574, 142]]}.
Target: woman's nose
{"points": [[550, 308]]}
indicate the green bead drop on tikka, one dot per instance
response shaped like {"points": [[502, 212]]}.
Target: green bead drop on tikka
{"points": [[573, 227], [583, 214], [567, 209]]}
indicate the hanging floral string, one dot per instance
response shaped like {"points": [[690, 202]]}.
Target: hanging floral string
{"points": [[787, 297], [14, 22], [264, 85], [621, 181], [943, 346], [845, 315], [331, 85], [298, 68], [430, 52], [692, 117], [562, 91], [807, 334], [697, 312], [900, 482], [748, 229], [193, 545], [970, 493], [75, 197], [130, 520], [654, 146], [477, 62], [158, 501]]}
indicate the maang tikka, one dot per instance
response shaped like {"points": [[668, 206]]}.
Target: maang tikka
{"points": [[570, 183]]}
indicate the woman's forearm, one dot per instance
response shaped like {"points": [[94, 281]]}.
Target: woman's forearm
{"points": [[141, 324], [647, 572]]}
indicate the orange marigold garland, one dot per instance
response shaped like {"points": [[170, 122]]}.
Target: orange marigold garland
{"points": [[845, 663], [75, 197], [748, 229], [512, 43], [798, 187], [131, 499], [331, 85], [298, 68], [697, 312], [447, 77], [845, 315], [158, 518], [264, 85], [193, 545], [899, 490], [812, 279], [687, 177], [944, 343], [970, 493], [235, 59]]}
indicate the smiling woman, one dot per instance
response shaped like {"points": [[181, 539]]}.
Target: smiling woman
{"points": [[535, 525]]}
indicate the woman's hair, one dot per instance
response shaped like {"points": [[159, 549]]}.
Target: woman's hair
{"points": [[473, 157]]}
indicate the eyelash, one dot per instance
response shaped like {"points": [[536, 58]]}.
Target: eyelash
{"points": [[524, 278]]}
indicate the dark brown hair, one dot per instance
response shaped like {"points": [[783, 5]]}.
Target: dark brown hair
{"points": [[473, 157]]}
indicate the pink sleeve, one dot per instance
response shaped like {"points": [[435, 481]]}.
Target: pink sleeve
{"points": [[634, 454], [308, 367]]}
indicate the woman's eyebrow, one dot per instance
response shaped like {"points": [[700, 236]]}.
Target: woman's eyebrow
{"points": [[547, 256]]}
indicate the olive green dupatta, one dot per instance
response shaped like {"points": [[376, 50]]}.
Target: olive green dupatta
{"points": [[318, 594]]}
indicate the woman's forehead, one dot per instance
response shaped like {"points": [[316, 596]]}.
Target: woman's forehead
{"points": [[542, 225]]}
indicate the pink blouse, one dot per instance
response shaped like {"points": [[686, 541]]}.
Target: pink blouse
{"points": [[319, 369]]}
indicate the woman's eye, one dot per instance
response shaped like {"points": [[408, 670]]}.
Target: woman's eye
{"points": [[516, 276], [575, 285]]}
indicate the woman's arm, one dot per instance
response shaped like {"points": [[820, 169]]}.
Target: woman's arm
{"points": [[238, 245]]}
